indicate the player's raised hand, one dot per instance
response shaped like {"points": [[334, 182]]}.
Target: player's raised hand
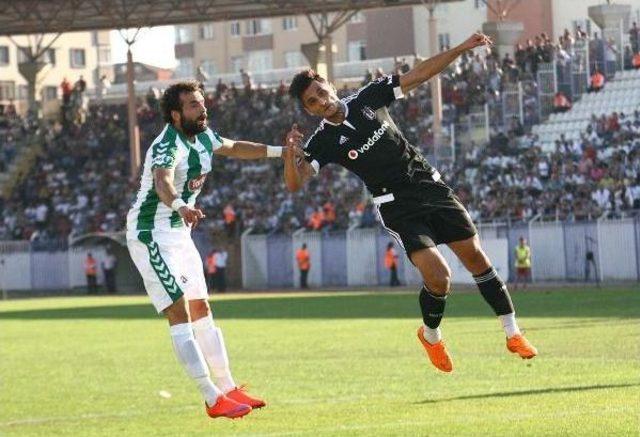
{"points": [[293, 142], [294, 136], [191, 216], [476, 40]]}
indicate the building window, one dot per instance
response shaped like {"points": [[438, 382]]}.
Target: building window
{"points": [[260, 60], [235, 28], [183, 34], [50, 93], [185, 68], [104, 56], [236, 63], [206, 31], [256, 26], [443, 41], [290, 23], [23, 54], [4, 55], [50, 56], [358, 17], [77, 58], [22, 92], [7, 90], [292, 59], [357, 50], [209, 67]]}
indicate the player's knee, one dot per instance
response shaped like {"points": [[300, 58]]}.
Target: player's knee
{"points": [[176, 313], [476, 259], [439, 285], [198, 309]]}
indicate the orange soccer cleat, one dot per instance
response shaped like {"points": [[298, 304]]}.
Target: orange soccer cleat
{"points": [[239, 395], [227, 407], [521, 346], [437, 352]]}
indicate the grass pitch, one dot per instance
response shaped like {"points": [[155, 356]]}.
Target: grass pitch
{"points": [[327, 364]]}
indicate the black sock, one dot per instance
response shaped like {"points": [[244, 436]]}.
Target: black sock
{"points": [[494, 291], [432, 307]]}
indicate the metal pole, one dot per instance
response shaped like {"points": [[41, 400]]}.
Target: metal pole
{"points": [[5, 294], [436, 94], [134, 133], [327, 41], [520, 103]]}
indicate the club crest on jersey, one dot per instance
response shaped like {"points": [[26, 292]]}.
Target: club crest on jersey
{"points": [[196, 183], [343, 139], [368, 112]]}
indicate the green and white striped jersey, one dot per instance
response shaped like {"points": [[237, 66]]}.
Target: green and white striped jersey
{"points": [[192, 162]]}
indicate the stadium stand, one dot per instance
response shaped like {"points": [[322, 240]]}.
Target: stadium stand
{"points": [[581, 164]]}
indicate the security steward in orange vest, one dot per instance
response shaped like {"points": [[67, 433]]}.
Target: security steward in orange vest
{"points": [[391, 263], [211, 271], [91, 272], [304, 264]]}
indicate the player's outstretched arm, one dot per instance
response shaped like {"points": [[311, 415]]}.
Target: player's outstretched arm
{"points": [[247, 150], [163, 183], [432, 66]]}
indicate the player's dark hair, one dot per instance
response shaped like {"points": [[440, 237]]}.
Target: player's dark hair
{"points": [[171, 97], [301, 82]]}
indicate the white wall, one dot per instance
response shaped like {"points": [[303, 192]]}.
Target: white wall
{"points": [[566, 11], [458, 19]]}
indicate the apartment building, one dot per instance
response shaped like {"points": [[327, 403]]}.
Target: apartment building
{"points": [[274, 43], [71, 55]]}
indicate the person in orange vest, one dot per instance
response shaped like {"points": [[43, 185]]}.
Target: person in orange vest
{"points": [[211, 271], [597, 81], [329, 213], [316, 220], [561, 103], [391, 263], [304, 264], [91, 271], [229, 219], [635, 61]]}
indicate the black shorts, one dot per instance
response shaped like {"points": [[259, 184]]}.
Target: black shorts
{"points": [[424, 215]]}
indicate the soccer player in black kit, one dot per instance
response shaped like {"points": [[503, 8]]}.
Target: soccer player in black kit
{"points": [[413, 203]]}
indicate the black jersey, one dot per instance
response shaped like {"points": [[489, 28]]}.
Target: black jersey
{"points": [[369, 143]]}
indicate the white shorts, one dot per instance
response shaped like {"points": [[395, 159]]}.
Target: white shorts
{"points": [[170, 266]]}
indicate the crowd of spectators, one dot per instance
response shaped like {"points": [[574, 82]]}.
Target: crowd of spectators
{"points": [[595, 175], [80, 182], [12, 127]]}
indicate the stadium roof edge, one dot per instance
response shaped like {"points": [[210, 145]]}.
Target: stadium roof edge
{"points": [[61, 16]]}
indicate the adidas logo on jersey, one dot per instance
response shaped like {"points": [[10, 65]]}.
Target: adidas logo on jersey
{"points": [[343, 139]]}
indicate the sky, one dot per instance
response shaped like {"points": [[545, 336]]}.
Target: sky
{"points": [[154, 46]]}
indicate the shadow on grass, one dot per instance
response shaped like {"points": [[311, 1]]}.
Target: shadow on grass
{"points": [[541, 391], [613, 303]]}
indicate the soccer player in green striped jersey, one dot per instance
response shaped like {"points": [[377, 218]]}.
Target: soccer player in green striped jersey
{"points": [[159, 241]]}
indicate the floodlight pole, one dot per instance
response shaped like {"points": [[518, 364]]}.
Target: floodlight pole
{"points": [[134, 132], [436, 89], [320, 53]]}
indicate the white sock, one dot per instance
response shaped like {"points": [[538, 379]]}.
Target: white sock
{"points": [[509, 324], [432, 335], [211, 342], [190, 357]]}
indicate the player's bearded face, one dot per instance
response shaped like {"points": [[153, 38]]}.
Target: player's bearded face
{"points": [[193, 114], [194, 125]]}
